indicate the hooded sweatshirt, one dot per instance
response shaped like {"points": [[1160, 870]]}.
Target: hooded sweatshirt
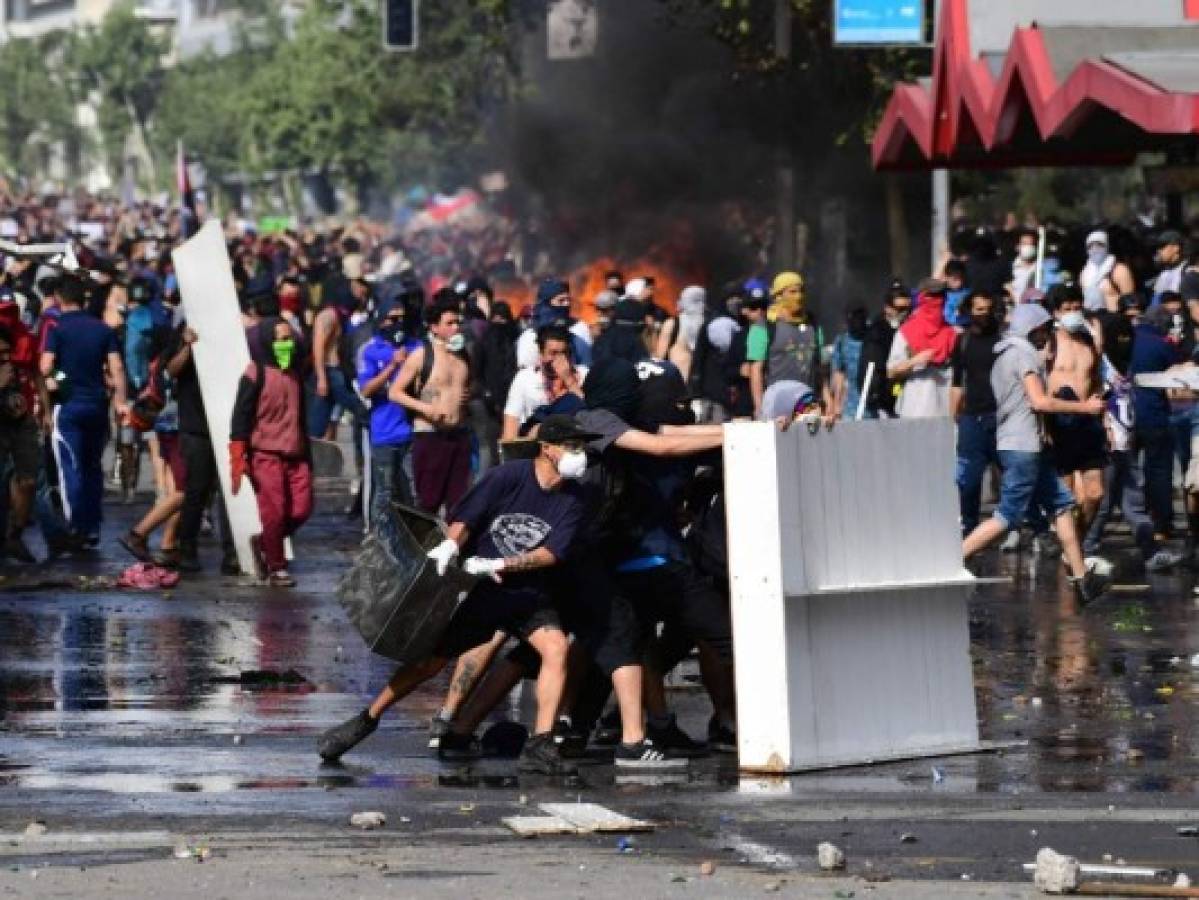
{"points": [[269, 411], [1018, 426]]}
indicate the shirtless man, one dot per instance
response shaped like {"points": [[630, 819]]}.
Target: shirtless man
{"points": [[329, 384], [1079, 442], [441, 438]]}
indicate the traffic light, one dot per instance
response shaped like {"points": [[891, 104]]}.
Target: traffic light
{"points": [[400, 22]]}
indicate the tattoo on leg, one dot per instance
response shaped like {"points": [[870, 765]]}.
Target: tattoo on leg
{"points": [[466, 677]]}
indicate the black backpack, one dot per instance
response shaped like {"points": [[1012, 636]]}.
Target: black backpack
{"points": [[709, 379]]}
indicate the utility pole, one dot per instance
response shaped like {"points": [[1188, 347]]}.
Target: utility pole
{"points": [[784, 215], [941, 203]]}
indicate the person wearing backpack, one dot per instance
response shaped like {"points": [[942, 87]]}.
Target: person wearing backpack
{"points": [[379, 363], [268, 443], [709, 382], [788, 346], [434, 386]]}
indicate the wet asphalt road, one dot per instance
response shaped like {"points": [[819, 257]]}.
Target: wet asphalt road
{"points": [[126, 712]]}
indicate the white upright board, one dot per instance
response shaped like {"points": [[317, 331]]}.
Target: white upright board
{"points": [[210, 304], [848, 594]]}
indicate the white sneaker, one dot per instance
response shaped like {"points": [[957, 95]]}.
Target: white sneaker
{"points": [[1011, 543], [1099, 565], [1162, 561]]}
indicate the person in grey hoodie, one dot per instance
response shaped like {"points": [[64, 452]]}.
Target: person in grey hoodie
{"points": [[1029, 476]]}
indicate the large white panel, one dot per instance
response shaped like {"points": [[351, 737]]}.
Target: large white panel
{"points": [[210, 303], [759, 613], [848, 594]]}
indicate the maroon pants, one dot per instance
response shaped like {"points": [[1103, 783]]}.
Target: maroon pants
{"points": [[440, 468], [284, 490]]}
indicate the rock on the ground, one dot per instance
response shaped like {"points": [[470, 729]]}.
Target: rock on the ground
{"points": [[830, 857], [1055, 873], [368, 820]]}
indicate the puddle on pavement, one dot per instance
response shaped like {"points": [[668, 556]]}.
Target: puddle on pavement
{"points": [[1105, 698]]}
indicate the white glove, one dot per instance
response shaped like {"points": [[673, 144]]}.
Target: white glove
{"points": [[444, 554], [483, 568]]}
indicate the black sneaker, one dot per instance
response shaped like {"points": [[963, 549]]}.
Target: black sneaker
{"points": [[229, 565], [346, 736], [674, 740], [458, 746], [607, 732], [1091, 586], [721, 738], [644, 755], [63, 544], [541, 757], [571, 743], [438, 728]]}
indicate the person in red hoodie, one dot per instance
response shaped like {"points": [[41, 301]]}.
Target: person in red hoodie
{"points": [[268, 441]]}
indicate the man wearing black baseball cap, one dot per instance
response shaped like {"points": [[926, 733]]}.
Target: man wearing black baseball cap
{"points": [[512, 530], [1171, 261]]}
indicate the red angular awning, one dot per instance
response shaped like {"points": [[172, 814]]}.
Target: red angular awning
{"points": [[1048, 105]]}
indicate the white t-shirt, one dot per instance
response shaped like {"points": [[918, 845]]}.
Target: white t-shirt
{"points": [[527, 393], [925, 392], [529, 357]]}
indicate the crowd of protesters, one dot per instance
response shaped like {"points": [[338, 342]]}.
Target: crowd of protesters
{"points": [[576, 462]]}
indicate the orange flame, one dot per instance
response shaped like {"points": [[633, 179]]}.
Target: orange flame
{"points": [[669, 277]]}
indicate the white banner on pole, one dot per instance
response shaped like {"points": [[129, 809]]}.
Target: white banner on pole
{"points": [[221, 354]]}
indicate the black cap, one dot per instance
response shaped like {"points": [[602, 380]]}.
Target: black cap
{"points": [[1169, 237], [560, 429]]}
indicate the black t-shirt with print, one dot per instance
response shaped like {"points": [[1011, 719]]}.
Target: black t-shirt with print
{"points": [[508, 512]]}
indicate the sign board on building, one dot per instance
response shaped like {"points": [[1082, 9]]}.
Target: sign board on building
{"points": [[878, 22], [572, 29]]}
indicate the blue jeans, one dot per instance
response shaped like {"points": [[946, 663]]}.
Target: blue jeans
{"points": [[1123, 488], [1183, 424], [1030, 480], [80, 435], [320, 409], [976, 453], [1153, 457], [391, 477]]}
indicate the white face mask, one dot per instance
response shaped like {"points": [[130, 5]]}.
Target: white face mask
{"points": [[1028, 252], [573, 465], [1097, 255], [457, 343]]}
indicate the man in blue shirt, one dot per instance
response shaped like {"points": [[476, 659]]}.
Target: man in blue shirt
{"points": [[78, 354], [1153, 448], [379, 363]]}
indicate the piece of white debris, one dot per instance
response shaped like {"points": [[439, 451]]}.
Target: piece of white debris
{"points": [[1183, 880], [367, 820], [1055, 873], [830, 857]]}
